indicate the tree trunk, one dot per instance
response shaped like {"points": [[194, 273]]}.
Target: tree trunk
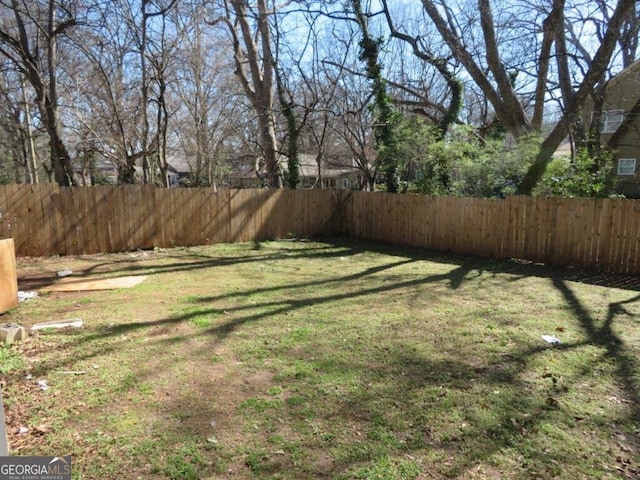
{"points": [[593, 76], [60, 159], [257, 82]]}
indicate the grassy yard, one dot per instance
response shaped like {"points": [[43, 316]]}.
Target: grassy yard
{"points": [[345, 360]]}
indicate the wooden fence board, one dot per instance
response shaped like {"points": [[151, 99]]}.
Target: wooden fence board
{"points": [[207, 201], [605, 225], [441, 220], [17, 206], [618, 236], [530, 240], [576, 232], [633, 248], [514, 233], [114, 225], [586, 232]]}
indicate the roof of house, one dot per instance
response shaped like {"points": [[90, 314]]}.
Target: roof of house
{"points": [[309, 167], [634, 68]]}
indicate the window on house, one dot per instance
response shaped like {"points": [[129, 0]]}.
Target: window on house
{"points": [[345, 183], [610, 120], [627, 166]]}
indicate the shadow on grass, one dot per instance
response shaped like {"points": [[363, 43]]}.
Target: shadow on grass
{"points": [[145, 263], [150, 263], [412, 383]]}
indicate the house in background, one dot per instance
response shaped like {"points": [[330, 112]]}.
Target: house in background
{"points": [[179, 172], [622, 97], [330, 174], [242, 173], [105, 172]]}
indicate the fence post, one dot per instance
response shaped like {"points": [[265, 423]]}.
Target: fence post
{"points": [[4, 440]]}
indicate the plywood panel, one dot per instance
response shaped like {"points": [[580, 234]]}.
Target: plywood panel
{"points": [[8, 276], [81, 284]]}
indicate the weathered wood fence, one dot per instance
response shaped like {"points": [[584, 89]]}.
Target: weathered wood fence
{"points": [[599, 234], [49, 220]]}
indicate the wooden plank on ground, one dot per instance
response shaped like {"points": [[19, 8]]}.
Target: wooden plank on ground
{"points": [[82, 284]]}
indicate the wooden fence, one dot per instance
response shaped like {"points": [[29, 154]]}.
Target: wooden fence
{"points": [[599, 234], [48, 220]]}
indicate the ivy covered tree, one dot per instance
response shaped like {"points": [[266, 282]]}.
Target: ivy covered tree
{"points": [[386, 116]]}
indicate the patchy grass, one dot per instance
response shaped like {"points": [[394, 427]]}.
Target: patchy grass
{"points": [[10, 359], [347, 360]]}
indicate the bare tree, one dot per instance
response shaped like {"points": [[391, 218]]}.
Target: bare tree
{"points": [[250, 32], [153, 68], [207, 92], [29, 34], [18, 139], [494, 69], [111, 92]]}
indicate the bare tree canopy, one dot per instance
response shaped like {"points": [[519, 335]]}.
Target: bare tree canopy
{"points": [[146, 86]]}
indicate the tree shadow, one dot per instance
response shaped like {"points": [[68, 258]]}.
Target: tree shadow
{"points": [[605, 337], [407, 374]]}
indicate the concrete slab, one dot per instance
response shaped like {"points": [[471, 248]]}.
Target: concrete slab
{"points": [[74, 322]]}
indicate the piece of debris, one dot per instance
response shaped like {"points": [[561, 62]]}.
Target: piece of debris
{"points": [[23, 430], [64, 273], [41, 429], [74, 322], [42, 385], [22, 296], [74, 372], [552, 339]]}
